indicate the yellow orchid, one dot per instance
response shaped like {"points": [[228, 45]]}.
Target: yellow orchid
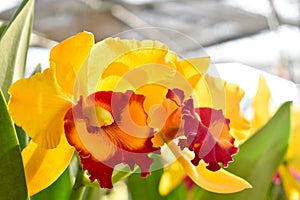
{"points": [[261, 116], [115, 102], [219, 181]]}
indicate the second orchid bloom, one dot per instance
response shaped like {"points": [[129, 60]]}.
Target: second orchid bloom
{"points": [[116, 101]]}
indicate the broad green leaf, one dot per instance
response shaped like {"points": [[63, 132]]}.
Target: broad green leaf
{"points": [[60, 189], [12, 182], [14, 44], [259, 158], [146, 188]]}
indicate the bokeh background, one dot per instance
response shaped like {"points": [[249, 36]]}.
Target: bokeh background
{"points": [[260, 33]]}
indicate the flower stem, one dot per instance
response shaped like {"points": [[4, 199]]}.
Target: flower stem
{"points": [[79, 186]]}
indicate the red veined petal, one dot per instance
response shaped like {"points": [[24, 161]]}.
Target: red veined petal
{"points": [[176, 95], [207, 132], [101, 148], [172, 127]]}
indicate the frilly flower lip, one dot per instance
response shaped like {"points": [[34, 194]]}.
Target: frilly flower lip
{"points": [[206, 131], [102, 146]]}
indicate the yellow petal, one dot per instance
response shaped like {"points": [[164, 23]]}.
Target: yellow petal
{"points": [[239, 125], [154, 93], [151, 81], [193, 69], [135, 53], [42, 167], [290, 184], [210, 92], [218, 94], [157, 140], [68, 56], [38, 105], [109, 84], [171, 178], [115, 57], [261, 105], [220, 181]]}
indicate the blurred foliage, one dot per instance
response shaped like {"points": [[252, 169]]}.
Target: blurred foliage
{"points": [[14, 44]]}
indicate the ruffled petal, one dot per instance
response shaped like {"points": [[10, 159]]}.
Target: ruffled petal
{"points": [[42, 167], [207, 132], [126, 140], [67, 58], [220, 181], [171, 128], [239, 125], [38, 105], [113, 54], [152, 81], [127, 110], [96, 169], [218, 94]]}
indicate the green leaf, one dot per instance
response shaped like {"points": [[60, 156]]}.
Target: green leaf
{"points": [[12, 182], [14, 44], [146, 188], [259, 158], [37, 69], [60, 189], [22, 137]]}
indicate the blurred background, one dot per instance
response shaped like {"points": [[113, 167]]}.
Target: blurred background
{"points": [[260, 33]]}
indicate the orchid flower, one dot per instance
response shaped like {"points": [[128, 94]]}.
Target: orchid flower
{"points": [[116, 101]]}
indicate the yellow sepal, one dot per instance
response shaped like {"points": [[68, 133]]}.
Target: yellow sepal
{"points": [[43, 166], [220, 181]]}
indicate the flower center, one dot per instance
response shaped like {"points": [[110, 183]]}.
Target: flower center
{"points": [[98, 116]]}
